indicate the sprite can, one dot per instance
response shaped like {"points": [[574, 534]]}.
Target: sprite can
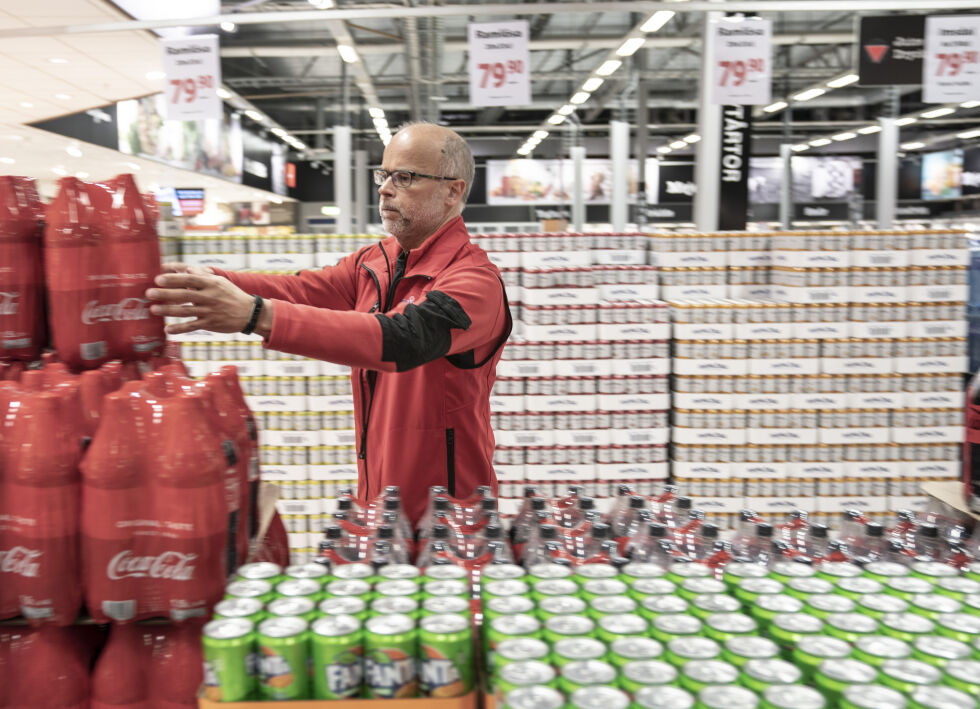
{"points": [[576, 649], [598, 698], [653, 607], [386, 605], [547, 570], [680, 571], [674, 625], [803, 588], [636, 570], [833, 677], [449, 587], [283, 658], [724, 626], [885, 571], [349, 588], [445, 604], [587, 572], [787, 629], [690, 588], [855, 588], [875, 650], [937, 650], [229, 660], [530, 673], [850, 626], [737, 571], [663, 698], [499, 572], [880, 605], [612, 605], [963, 675], [500, 606], [337, 649], [710, 603], [906, 626], [299, 607], [641, 588], [680, 651], [400, 588], [750, 589], [446, 572], [400, 572], [533, 698], [259, 590], [958, 587], [554, 587], [315, 572], [871, 696], [625, 650], [786, 571], [759, 675], [344, 605], [905, 587], [567, 626], [595, 588], [823, 604], [790, 696], [613, 627], [959, 626], [766, 608], [248, 608], [698, 674], [635, 675], [906, 675], [932, 571], [504, 588], [521, 650], [810, 652], [933, 605], [350, 572], [940, 698], [738, 651], [835, 570], [446, 668], [260, 571], [586, 673], [390, 657]]}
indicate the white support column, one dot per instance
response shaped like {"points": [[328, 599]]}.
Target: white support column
{"points": [[708, 153], [577, 153], [619, 152], [786, 187], [342, 177], [360, 191], [886, 187]]}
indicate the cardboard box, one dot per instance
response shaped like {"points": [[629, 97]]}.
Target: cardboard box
{"points": [[942, 294], [821, 330], [936, 434], [652, 331], [513, 439], [619, 257], [726, 367], [278, 403], [933, 469], [286, 368], [568, 402], [525, 368], [709, 471], [342, 402], [877, 400], [639, 436], [843, 436], [583, 438], [762, 402], [787, 436], [583, 367], [841, 504], [690, 259], [937, 328], [709, 436], [298, 507], [931, 365], [226, 262], [857, 365], [796, 294], [798, 366], [560, 296], [560, 472], [561, 333], [632, 471], [750, 259], [641, 366], [762, 331], [280, 262], [632, 402], [285, 473], [704, 331], [939, 257], [291, 438], [812, 259], [630, 292], [338, 437], [879, 294], [777, 506], [333, 472], [695, 292], [556, 259], [932, 400], [879, 259], [712, 402]]}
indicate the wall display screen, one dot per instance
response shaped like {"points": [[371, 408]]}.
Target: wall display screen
{"points": [[970, 179], [941, 175], [530, 182], [826, 179]]}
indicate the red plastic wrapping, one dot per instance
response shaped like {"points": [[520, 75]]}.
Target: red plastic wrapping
{"points": [[47, 668], [22, 321]]}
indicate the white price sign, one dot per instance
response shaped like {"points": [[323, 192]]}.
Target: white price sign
{"points": [[193, 72], [951, 66], [742, 73], [499, 64]]}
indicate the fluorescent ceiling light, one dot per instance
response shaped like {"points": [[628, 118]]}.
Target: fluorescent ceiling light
{"points": [[693, 138], [843, 81], [914, 145], [380, 123], [556, 120], [322, 4], [74, 151], [847, 135], [223, 93], [868, 130], [608, 67], [26, 104], [809, 94], [523, 150], [970, 104], [132, 166], [539, 134], [347, 53], [592, 84], [156, 75], [254, 115], [580, 97], [777, 106], [820, 142], [58, 60], [228, 26], [7, 161], [800, 147], [975, 133], [656, 21], [376, 112], [280, 132], [81, 174], [59, 170], [629, 47], [678, 145], [63, 97], [663, 149], [275, 200], [938, 112], [566, 110], [907, 121]]}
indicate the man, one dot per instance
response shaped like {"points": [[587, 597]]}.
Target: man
{"points": [[421, 318]]}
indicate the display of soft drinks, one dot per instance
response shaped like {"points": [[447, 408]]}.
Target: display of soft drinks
{"points": [[23, 323]]}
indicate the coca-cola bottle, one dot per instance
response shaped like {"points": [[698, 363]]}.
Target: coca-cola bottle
{"points": [[744, 535], [928, 545], [620, 506], [49, 666], [119, 679], [398, 552], [852, 528], [22, 316], [251, 454], [176, 669], [436, 547]]}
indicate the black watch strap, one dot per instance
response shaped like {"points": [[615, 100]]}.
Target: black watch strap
{"points": [[254, 319]]}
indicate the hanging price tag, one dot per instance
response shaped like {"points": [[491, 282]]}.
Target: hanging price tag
{"points": [[193, 72], [951, 66], [499, 64], [741, 74]]}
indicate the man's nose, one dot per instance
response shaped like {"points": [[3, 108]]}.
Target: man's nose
{"points": [[387, 187]]}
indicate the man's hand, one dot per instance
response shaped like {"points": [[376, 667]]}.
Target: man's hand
{"points": [[215, 302], [177, 267]]}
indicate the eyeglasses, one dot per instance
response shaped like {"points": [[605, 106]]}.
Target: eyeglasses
{"points": [[403, 178]]}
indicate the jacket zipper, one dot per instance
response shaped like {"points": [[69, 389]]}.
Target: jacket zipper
{"points": [[451, 461]]}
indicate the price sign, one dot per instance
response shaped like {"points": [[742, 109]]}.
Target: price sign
{"points": [[741, 74], [499, 65], [193, 77], [951, 66]]}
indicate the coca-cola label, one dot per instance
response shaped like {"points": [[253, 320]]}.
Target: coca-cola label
{"points": [[169, 565], [8, 303], [126, 309], [20, 561]]}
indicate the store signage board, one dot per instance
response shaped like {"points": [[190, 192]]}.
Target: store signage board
{"points": [[891, 50], [733, 173], [499, 64], [193, 69], [742, 72], [951, 66]]}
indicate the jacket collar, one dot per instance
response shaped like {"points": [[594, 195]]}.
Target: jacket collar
{"points": [[435, 253]]}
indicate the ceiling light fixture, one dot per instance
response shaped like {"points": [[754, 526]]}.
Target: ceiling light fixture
{"points": [[74, 151], [322, 4], [820, 142], [376, 112], [800, 147], [663, 149], [966, 135], [608, 67], [539, 134], [81, 175], [693, 138], [7, 161], [523, 150], [678, 144], [846, 135], [938, 112], [842, 81], [26, 104], [868, 130], [254, 115], [592, 84], [556, 120], [228, 26], [223, 93], [58, 60], [970, 104], [281, 132], [809, 94], [59, 170], [777, 106], [156, 75], [347, 53], [566, 110], [629, 47], [907, 121], [132, 166], [63, 97], [914, 145], [580, 97], [380, 123], [656, 21]]}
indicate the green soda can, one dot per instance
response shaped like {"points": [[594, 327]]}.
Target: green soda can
{"points": [[724, 626], [448, 572], [634, 676], [530, 673], [642, 588], [350, 572], [972, 571], [500, 606], [872, 696], [552, 606], [786, 571], [725, 697], [283, 658], [337, 643], [680, 651], [260, 571], [691, 588], [567, 626], [390, 657], [875, 650], [710, 603], [311, 571], [637, 570], [349, 588], [958, 587], [940, 698], [933, 605], [446, 668], [510, 626], [386, 605], [612, 605], [445, 604], [447, 588], [259, 590], [907, 586], [850, 626], [787, 629], [653, 607], [520, 650], [937, 650], [857, 587], [803, 588], [789, 696], [542, 572], [737, 571], [906, 626], [596, 588], [586, 673], [663, 698], [976, 648], [575, 650], [959, 626], [759, 675], [821, 605], [344, 605], [750, 589], [229, 660], [299, 607], [533, 698], [698, 674], [833, 571], [932, 571], [810, 652], [880, 605], [592, 572], [681, 571], [598, 698], [613, 627], [624, 650], [963, 675], [885, 571], [504, 588], [555, 587], [499, 572], [400, 588], [768, 607], [971, 603], [674, 625], [906, 675], [401, 572], [737, 651], [833, 677], [248, 608]]}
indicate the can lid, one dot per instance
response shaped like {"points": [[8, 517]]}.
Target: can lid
{"points": [[755, 646], [908, 622], [772, 671], [724, 697], [285, 627], [400, 571], [517, 624], [793, 569], [299, 605], [889, 569], [499, 572], [248, 589], [664, 604], [446, 587], [397, 587], [518, 649], [394, 604], [848, 670], [442, 572], [353, 571], [831, 603], [597, 571], [959, 584], [636, 648], [298, 587], [909, 584], [883, 603], [663, 698], [883, 646], [712, 671], [613, 604], [556, 587], [561, 605], [393, 624], [228, 628], [933, 569], [939, 646], [793, 696], [599, 698], [506, 587], [810, 585], [872, 696], [797, 623], [687, 570], [550, 571], [345, 605], [580, 648], [445, 623], [623, 624], [260, 570], [860, 584], [936, 603], [654, 586], [779, 603], [731, 622], [694, 648], [942, 698], [451, 604], [676, 624], [912, 671], [238, 607], [306, 571], [537, 697], [964, 670], [589, 672], [528, 672], [570, 625], [760, 586], [746, 570], [505, 604], [605, 587], [852, 622], [349, 587], [643, 570], [649, 672], [334, 626], [823, 646], [703, 585], [716, 603]]}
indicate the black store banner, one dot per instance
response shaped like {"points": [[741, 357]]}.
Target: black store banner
{"points": [[970, 179], [733, 195], [891, 50], [675, 183]]}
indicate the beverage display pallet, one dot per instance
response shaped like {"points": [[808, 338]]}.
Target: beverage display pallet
{"points": [[467, 701]]}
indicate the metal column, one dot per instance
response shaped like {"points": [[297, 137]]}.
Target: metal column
{"points": [[341, 177], [359, 219], [619, 153], [577, 153], [786, 187], [886, 187], [708, 155], [642, 148]]}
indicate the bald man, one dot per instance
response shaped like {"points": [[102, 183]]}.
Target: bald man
{"points": [[421, 318]]}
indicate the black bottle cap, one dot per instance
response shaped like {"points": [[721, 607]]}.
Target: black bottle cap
{"points": [[896, 547], [381, 546], [763, 530], [484, 490], [836, 545], [818, 530], [441, 504], [493, 531], [906, 515], [392, 504], [586, 503], [438, 490], [576, 490], [538, 503], [549, 532], [873, 529], [852, 515], [440, 531], [488, 504], [392, 491], [709, 531], [657, 530], [386, 531], [929, 531], [696, 514], [600, 531], [637, 502], [333, 531], [799, 514], [623, 489], [530, 491], [746, 515], [343, 504], [683, 503]]}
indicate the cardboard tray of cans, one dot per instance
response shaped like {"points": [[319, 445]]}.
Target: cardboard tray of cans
{"points": [[467, 701]]}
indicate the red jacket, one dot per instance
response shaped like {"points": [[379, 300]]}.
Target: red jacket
{"points": [[423, 347]]}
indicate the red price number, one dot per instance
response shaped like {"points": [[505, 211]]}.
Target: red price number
{"points": [[735, 72], [951, 63], [497, 72], [187, 90]]}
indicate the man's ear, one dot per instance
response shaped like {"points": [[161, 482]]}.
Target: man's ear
{"points": [[456, 190]]}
